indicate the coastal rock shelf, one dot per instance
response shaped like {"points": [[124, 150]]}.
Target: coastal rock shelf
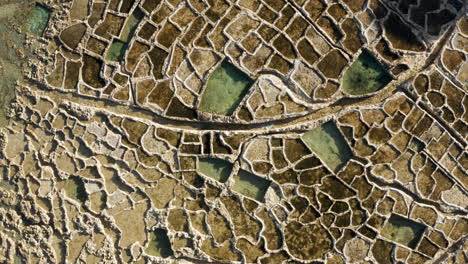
{"points": [[221, 131]]}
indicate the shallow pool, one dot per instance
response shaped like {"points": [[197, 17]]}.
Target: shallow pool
{"points": [[224, 90], [132, 22], [251, 185], [116, 51], [403, 230], [75, 189], [217, 169], [14, 52], [366, 75], [159, 244], [329, 145]]}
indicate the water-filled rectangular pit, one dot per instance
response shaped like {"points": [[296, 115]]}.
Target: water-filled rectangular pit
{"points": [[224, 90], [214, 168], [251, 185], [329, 145], [403, 230]]}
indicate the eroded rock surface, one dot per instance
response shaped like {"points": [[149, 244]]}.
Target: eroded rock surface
{"points": [[115, 152]]}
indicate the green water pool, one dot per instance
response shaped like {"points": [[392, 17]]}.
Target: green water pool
{"points": [[245, 182], [132, 22], [366, 75], [11, 63], [225, 89], [217, 169], [37, 20], [118, 47], [329, 144], [116, 51], [403, 231], [159, 244], [75, 189], [251, 185]]}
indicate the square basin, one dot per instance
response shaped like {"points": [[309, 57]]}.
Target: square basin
{"points": [[224, 90], [403, 230], [329, 145]]}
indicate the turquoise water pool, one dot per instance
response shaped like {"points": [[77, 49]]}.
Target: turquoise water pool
{"points": [[118, 47], [403, 230], [116, 51], [132, 22]]}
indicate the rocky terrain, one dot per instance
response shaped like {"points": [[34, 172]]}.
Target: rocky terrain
{"points": [[234, 131]]}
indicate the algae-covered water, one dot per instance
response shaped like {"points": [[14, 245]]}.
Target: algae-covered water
{"points": [[329, 144], [225, 89], [116, 51], [245, 183], [217, 169], [75, 189], [159, 244], [37, 20], [132, 22], [403, 231], [251, 185], [366, 75]]}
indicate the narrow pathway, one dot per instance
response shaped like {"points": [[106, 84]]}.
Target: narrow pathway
{"points": [[304, 121], [105, 105]]}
